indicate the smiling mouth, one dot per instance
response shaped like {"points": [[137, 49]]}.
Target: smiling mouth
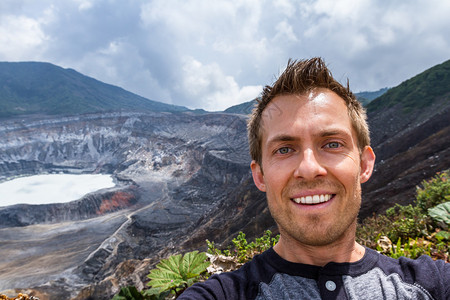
{"points": [[313, 199]]}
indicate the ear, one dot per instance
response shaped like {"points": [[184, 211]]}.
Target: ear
{"points": [[258, 176], [367, 163]]}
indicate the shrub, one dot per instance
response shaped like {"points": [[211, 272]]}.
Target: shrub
{"points": [[407, 221], [412, 249], [243, 250], [433, 192], [418, 229]]}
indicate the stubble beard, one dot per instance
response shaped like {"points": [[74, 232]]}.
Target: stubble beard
{"points": [[313, 230]]}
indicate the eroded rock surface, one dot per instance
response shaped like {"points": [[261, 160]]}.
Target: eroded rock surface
{"points": [[171, 171]]}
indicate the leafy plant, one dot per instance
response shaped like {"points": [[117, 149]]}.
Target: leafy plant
{"points": [[213, 250], [177, 272], [412, 249], [442, 236], [129, 293], [434, 191], [441, 214], [132, 293], [243, 250], [407, 221]]}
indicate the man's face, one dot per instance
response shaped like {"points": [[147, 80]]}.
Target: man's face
{"points": [[311, 167]]}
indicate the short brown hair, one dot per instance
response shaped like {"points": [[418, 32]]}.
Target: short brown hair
{"points": [[301, 77]]}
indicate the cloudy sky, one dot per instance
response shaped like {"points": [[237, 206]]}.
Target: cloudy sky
{"points": [[214, 54]]}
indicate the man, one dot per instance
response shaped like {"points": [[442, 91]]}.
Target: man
{"points": [[310, 146]]}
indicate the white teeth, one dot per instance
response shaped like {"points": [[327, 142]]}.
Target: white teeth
{"points": [[312, 199]]}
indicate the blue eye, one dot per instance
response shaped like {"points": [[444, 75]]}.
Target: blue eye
{"points": [[333, 145], [284, 150]]}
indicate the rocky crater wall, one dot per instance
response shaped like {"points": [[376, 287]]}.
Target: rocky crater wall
{"points": [[89, 206], [172, 170]]}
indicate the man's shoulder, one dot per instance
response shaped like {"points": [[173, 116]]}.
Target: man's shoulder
{"points": [[239, 284], [423, 272]]}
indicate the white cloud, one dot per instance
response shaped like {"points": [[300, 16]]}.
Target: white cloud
{"points": [[211, 88], [285, 32], [196, 25], [102, 65], [186, 21], [20, 38], [84, 5], [286, 7]]}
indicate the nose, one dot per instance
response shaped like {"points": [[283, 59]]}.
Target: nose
{"points": [[309, 166]]}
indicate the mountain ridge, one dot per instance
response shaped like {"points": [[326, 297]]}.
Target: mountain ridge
{"points": [[43, 88]]}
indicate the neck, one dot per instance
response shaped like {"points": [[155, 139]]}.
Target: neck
{"points": [[344, 250]]}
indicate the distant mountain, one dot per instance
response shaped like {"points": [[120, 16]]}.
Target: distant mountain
{"points": [[243, 108], [43, 88], [247, 107], [366, 97]]}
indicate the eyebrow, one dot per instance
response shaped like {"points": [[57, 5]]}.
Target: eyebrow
{"points": [[333, 132], [282, 138], [290, 138]]}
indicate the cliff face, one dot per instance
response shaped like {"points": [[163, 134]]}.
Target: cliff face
{"points": [[173, 171], [89, 206]]}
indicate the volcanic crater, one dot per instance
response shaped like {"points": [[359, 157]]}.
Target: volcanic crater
{"points": [[171, 171]]}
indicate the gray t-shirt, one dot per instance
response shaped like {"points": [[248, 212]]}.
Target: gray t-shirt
{"points": [[375, 276]]}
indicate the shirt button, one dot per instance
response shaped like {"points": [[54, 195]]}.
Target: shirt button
{"points": [[330, 285]]}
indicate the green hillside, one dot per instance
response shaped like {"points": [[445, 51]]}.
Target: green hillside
{"points": [[417, 92], [43, 88]]}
